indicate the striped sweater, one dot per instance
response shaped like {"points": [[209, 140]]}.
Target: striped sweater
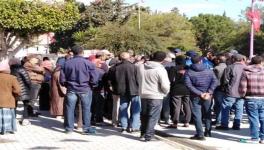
{"points": [[252, 82]]}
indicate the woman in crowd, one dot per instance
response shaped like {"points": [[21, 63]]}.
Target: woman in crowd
{"points": [[9, 89], [57, 92]]}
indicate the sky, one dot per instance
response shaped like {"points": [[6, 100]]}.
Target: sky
{"points": [[191, 8]]}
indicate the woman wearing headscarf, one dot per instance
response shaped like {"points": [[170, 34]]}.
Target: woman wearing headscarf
{"points": [[24, 81], [57, 92], [9, 90]]}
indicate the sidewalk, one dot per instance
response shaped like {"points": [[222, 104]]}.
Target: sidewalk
{"points": [[220, 140], [47, 133]]}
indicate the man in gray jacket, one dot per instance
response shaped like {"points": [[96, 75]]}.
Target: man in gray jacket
{"points": [[219, 92], [231, 81], [154, 84]]}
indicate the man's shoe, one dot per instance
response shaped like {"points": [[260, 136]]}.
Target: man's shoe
{"points": [[207, 134], [68, 132], [261, 142], [172, 126], [251, 141], [186, 125], [221, 128], [123, 130], [91, 130], [196, 137], [235, 128]]}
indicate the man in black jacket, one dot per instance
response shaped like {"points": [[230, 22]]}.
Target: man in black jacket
{"points": [[179, 93], [127, 88]]}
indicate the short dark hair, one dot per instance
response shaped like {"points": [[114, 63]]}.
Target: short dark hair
{"points": [[45, 58], [222, 58], [77, 49], [256, 60], [180, 60], [196, 59], [158, 56]]}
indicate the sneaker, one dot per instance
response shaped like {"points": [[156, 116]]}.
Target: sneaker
{"points": [[133, 131], [90, 131], [196, 137], [221, 128], [186, 125], [25, 122], [252, 141], [142, 137], [123, 131]]}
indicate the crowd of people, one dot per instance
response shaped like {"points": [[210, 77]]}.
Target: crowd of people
{"points": [[137, 92]]}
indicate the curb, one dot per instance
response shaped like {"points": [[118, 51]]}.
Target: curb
{"points": [[186, 143]]}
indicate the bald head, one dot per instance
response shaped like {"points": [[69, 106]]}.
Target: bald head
{"points": [[124, 56]]}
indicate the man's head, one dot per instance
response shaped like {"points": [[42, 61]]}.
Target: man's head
{"points": [[180, 60], [257, 60], [208, 54], [124, 56], [197, 59], [238, 58], [221, 58], [159, 56], [77, 50]]}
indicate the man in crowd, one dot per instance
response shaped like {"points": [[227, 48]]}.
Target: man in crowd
{"points": [[179, 93], [153, 85], [78, 75], [231, 81], [252, 88], [127, 88], [219, 93], [202, 83]]}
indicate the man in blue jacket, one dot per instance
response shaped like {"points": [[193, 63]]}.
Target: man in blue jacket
{"points": [[78, 75], [201, 82]]}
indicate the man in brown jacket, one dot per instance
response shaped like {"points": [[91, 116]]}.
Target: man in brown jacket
{"points": [[36, 74]]}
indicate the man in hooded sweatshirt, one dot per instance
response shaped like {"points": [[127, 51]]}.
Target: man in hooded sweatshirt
{"points": [[202, 83], [154, 84]]}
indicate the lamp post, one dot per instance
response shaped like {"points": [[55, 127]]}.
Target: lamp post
{"points": [[251, 51]]}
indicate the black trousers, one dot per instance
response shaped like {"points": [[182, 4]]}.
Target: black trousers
{"points": [[176, 104], [27, 109], [150, 115]]}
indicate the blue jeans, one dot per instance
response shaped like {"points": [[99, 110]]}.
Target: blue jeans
{"points": [[227, 104], [255, 111], [86, 100], [218, 99], [197, 106], [135, 109]]}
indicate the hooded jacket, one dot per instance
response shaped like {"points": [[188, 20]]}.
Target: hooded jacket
{"points": [[200, 80], [153, 80], [252, 82]]}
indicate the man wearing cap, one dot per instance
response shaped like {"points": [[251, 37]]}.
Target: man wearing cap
{"points": [[78, 75], [201, 82], [189, 55], [231, 80]]}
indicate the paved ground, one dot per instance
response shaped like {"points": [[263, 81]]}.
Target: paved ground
{"points": [[47, 133], [220, 140]]}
